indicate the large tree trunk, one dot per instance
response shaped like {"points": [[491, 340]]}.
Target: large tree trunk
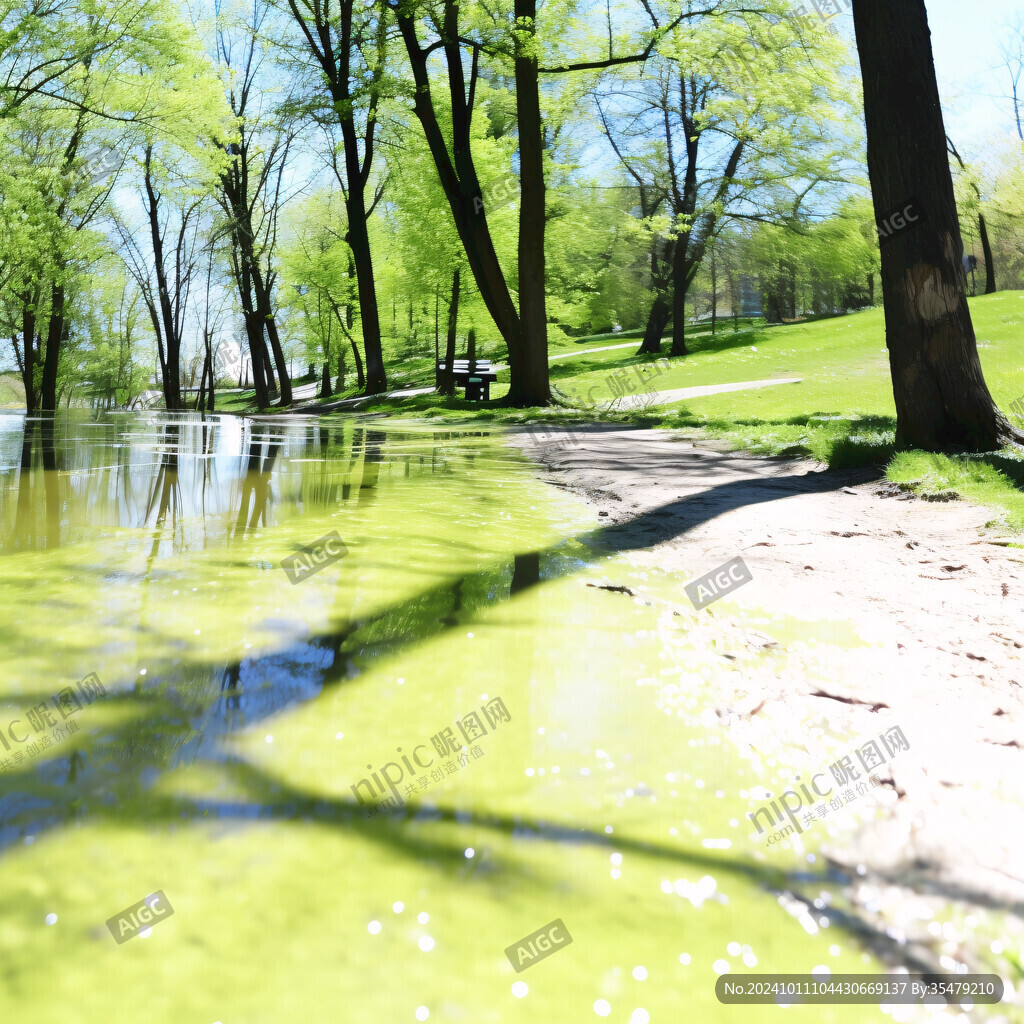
{"points": [[257, 352], [268, 368], [172, 340], [530, 381], [458, 177], [360, 375], [30, 357], [657, 321], [679, 287], [359, 241], [714, 294], [942, 401], [212, 377]]}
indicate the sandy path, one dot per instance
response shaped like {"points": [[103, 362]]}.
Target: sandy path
{"points": [[938, 609], [603, 348], [652, 398]]}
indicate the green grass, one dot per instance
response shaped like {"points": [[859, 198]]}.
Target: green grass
{"points": [[12, 391], [995, 481], [840, 413]]}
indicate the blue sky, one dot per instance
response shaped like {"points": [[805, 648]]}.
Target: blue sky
{"points": [[966, 38]]}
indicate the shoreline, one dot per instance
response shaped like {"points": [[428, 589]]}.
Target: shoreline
{"points": [[913, 618]]}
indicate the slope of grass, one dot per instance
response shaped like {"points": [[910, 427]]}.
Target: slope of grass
{"points": [[12, 391], [841, 412]]}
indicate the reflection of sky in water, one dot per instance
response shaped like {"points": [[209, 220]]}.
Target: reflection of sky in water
{"points": [[160, 509]]}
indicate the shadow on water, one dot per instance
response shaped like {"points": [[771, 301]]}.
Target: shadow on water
{"points": [[182, 720]]}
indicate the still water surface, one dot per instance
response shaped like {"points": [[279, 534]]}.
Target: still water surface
{"points": [[222, 762]]}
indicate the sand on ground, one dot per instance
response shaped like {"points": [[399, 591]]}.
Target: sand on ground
{"points": [[934, 604]]}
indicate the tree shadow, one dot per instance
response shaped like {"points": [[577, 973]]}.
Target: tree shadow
{"points": [[179, 723]]}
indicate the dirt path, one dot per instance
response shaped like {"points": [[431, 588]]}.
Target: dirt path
{"points": [[587, 351], [937, 608], [648, 399]]}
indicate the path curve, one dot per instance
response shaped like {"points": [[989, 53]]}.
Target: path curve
{"points": [[890, 610]]}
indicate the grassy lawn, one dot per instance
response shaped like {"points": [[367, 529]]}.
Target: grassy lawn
{"points": [[841, 412], [12, 391]]}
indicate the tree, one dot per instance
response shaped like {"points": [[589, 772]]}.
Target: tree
{"points": [[348, 48], [111, 361], [986, 245], [321, 286], [942, 401], [1013, 60], [732, 118], [457, 169], [165, 269], [251, 183]]}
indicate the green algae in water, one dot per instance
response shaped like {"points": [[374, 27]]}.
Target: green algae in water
{"points": [[242, 711]]}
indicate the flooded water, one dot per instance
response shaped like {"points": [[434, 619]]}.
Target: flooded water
{"points": [[355, 791]]}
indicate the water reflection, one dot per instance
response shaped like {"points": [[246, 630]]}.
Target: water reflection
{"points": [[189, 483], [193, 480]]}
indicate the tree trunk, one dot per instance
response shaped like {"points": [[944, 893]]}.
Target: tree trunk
{"points": [[437, 336], [360, 376], [264, 311], [714, 294], [462, 189], [207, 371], [448, 377], [256, 350], [530, 380], [325, 380], [679, 287], [54, 336], [657, 321], [986, 248], [172, 341], [29, 356], [212, 380], [268, 368], [942, 401]]}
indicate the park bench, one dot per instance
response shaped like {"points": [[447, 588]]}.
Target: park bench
{"points": [[474, 375]]}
